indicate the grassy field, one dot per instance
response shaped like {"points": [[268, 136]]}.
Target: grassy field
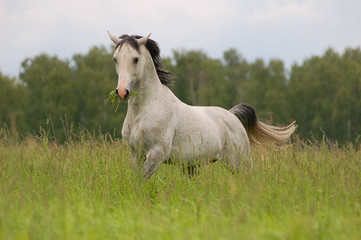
{"points": [[88, 190]]}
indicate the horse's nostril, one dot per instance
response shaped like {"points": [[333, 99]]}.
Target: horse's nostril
{"points": [[116, 91], [126, 94]]}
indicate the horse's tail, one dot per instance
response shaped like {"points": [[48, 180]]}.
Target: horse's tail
{"points": [[258, 132]]}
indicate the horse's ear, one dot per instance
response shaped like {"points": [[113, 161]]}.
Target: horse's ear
{"points": [[115, 39], [143, 40]]}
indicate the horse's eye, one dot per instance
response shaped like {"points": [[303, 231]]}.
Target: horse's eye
{"points": [[114, 59], [135, 60]]}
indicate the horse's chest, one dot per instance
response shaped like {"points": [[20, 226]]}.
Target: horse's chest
{"points": [[141, 132], [133, 133]]}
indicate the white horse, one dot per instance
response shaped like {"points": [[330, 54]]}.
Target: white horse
{"points": [[159, 126]]}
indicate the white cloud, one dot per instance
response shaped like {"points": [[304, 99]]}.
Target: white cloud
{"points": [[289, 30], [276, 10]]}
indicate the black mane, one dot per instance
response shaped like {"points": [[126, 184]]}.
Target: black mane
{"points": [[165, 76]]}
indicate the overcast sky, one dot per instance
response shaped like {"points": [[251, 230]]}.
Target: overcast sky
{"points": [[286, 30]]}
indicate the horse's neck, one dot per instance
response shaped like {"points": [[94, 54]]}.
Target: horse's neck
{"points": [[146, 90]]}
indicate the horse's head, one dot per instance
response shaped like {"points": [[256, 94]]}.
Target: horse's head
{"points": [[129, 61]]}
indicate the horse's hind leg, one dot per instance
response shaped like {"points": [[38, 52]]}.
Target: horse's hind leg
{"points": [[236, 156], [232, 163], [238, 159], [191, 170], [239, 163]]}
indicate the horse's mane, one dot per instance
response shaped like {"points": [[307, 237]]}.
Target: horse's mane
{"points": [[165, 76]]}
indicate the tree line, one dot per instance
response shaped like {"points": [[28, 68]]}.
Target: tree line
{"points": [[323, 94]]}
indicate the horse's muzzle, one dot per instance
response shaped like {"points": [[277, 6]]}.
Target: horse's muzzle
{"points": [[123, 97]]}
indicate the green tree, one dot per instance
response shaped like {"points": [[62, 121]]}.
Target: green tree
{"points": [[266, 90], [12, 99], [94, 78], [346, 113], [323, 93], [200, 79], [236, 70], [49, 94], [276, 90]]}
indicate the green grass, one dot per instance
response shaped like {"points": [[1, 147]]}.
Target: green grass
{"points": [[89, 190]]}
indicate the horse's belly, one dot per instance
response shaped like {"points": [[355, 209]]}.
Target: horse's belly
{"points": [[197, 144]]}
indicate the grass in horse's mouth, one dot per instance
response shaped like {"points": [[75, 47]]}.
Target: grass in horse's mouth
{"points": [[113, 97]]}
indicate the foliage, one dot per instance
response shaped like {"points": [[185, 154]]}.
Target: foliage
{"points": [[322, 94], [62, 95], [200, 79], [12, 99], [88, 189]]}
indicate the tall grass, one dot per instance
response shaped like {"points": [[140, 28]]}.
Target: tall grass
{"points": [[88, 189]]}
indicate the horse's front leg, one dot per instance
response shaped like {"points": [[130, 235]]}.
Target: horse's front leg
{"points": [[154, 158], [137, 160]]}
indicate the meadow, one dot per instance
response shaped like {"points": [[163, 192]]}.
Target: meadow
{"points": [[88, 189]]}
